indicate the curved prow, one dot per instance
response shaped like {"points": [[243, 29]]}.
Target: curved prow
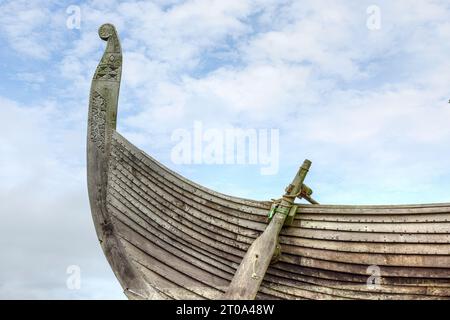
{"points": [[103, 102]]}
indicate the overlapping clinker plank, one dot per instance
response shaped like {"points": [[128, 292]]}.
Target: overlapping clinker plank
{"points": [[166, 204], [349, 272], [424, 228], [296, 237], [203, 240], [365, 247], [372, 218], [229, 210], [374, 210], [235, 266], [230, 275], [294, 263], [173, 256], [184, 227], [295, 250], [299, 228], [244, 205], [264, 205], [165, 281], [355, 227], [197, 274], [361, 291], [398, 260], [354, 282], [374, 296], [391, 210], [181, 266], [175, 237], [218, 265], [294, 229], [145, 200], [294, 240], [173, 264], [188, 203], [344, 290]]}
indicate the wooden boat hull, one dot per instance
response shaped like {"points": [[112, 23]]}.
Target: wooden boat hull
{"points": [[169, 238]]}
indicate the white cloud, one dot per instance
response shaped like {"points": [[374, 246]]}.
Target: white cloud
{"points": [[368, 107], [46, 224], [31, 28], [30, 77]]}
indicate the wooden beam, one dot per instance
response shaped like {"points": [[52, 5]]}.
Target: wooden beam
{"points": [[253, 267]]}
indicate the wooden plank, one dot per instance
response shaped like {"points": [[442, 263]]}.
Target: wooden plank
{"points": [[378, 210], [296, 236], [406, 228], [244, 205], [398, 260], [367, 247], [373, 218], [183, 203], [221, 210]]}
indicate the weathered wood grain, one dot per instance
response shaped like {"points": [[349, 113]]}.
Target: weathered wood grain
{"points": [[250, 274], [166, 237]]}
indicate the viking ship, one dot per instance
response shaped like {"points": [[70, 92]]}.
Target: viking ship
{"points": [[167, 237]]}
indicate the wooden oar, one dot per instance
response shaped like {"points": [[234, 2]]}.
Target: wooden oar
{"points": [[253, 267]]}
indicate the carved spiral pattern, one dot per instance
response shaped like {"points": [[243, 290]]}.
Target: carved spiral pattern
{"points": [[111, 63], [106, 31]]}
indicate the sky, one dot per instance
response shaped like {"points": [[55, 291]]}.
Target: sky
{"points": [[361, 88]]}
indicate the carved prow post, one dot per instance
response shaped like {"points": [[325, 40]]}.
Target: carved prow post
{"points": [[103, 100], [102, 115], [104, 95], [251, 271]]}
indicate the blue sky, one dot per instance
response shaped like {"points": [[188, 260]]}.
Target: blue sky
{"points": [[368, 107]]}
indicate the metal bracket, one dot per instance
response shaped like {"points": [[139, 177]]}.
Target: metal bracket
{"points": [[291, 216], [275, 208]]}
